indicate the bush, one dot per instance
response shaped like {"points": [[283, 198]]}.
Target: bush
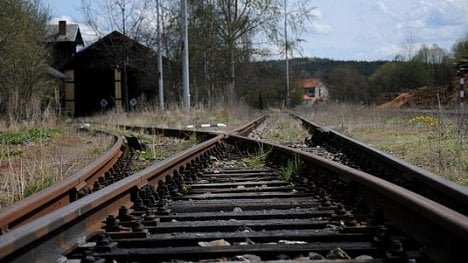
{"points": [[25, 84]]}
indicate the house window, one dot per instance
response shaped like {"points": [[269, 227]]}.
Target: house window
{"points": [[310, 92]]}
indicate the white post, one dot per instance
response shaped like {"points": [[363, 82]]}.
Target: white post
{"points": [[462, 90], [185, 59], [160, 67], [286, 52]]}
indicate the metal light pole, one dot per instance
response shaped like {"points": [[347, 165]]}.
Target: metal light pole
{"points": [[286, 53], [462, 89], [185, 59], [160, 67]]}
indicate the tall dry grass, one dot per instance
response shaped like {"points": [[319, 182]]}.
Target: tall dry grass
{"points": [[36, 163], [434, 141], [175, 117]]}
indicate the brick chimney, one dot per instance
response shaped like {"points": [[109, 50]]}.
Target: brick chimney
{"points": [[62, 27]]}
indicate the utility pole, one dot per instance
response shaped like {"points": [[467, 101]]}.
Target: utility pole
{"points": [[462, 89], [160, 67], [462, 69], [286, 53], [185, 58]]}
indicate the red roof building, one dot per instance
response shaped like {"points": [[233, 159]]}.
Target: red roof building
{"points": [[314, 91]]}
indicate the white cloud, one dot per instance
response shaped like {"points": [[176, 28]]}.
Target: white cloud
{"points": [[316, 13], [321, 28]]}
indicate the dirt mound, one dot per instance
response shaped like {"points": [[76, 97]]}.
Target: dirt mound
{"points": [[424, 97]]}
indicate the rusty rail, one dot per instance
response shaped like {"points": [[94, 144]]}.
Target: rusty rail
{"points": [[186, 133], [443, 231], [47, 202], [60, 194], [52, 235], [394, 169], [62, 229], [426, 220]]}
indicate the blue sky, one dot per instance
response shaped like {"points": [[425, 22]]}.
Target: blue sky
{"points": [[359, 29]]}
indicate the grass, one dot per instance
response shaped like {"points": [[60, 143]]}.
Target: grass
{"points": [[29, 135], [436, 143], [36, 155], [287, 129], [257, 160], [287, 171], [176, 117]]}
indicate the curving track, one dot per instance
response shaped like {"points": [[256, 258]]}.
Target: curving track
{"points": [[388, 167], [111, 165], [173, 209]]}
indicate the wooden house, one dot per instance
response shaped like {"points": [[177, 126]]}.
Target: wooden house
{"points": [[62, 40], [314, 91], [115, 72]]}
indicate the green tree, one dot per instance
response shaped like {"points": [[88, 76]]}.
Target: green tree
{"points": [[25, 87], [345, 83], [460, 48], [437, 62], [223, 40]]}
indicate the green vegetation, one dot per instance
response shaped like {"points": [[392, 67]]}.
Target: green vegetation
{"points": [[11, 153], [257, 160], [43, 155], [25, 88], [435, 143], [37, 186], [30, 135], [286, 172], [287, 129]]}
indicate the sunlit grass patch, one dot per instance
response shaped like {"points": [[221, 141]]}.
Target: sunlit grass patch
{"points": [[291, 168], [28, 135], [257, 160], [436, 143]]}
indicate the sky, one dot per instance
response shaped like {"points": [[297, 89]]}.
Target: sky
{"points": [[356, 29]]}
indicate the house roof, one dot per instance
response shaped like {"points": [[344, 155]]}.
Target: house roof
{"points": [[310, 83], [108, 52], [55, 73], [72, 34]]}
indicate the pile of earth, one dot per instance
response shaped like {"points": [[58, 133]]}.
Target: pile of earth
{"points": [[424, 98]]}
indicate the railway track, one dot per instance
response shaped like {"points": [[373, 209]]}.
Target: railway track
{"points": [[363, 157], [112, 165], [204, 204]]}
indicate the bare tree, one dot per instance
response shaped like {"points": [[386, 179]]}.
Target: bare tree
{"points": [[24, 85], [235, 27], [125, 16]]}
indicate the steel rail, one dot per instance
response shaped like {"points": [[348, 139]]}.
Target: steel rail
{"points": [[416, 179], [186, 133], [51, 235], [426, 220], [60, 194], [54, 234], [248, 127], [96, 204]]}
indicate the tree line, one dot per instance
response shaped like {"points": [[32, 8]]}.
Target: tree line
{"points": [[225, 37], [429, 66], [229, 41]]}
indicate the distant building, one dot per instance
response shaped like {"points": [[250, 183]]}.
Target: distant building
{"points": [[315, 91], [94, 78], [97, 76], [62, 40]]}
